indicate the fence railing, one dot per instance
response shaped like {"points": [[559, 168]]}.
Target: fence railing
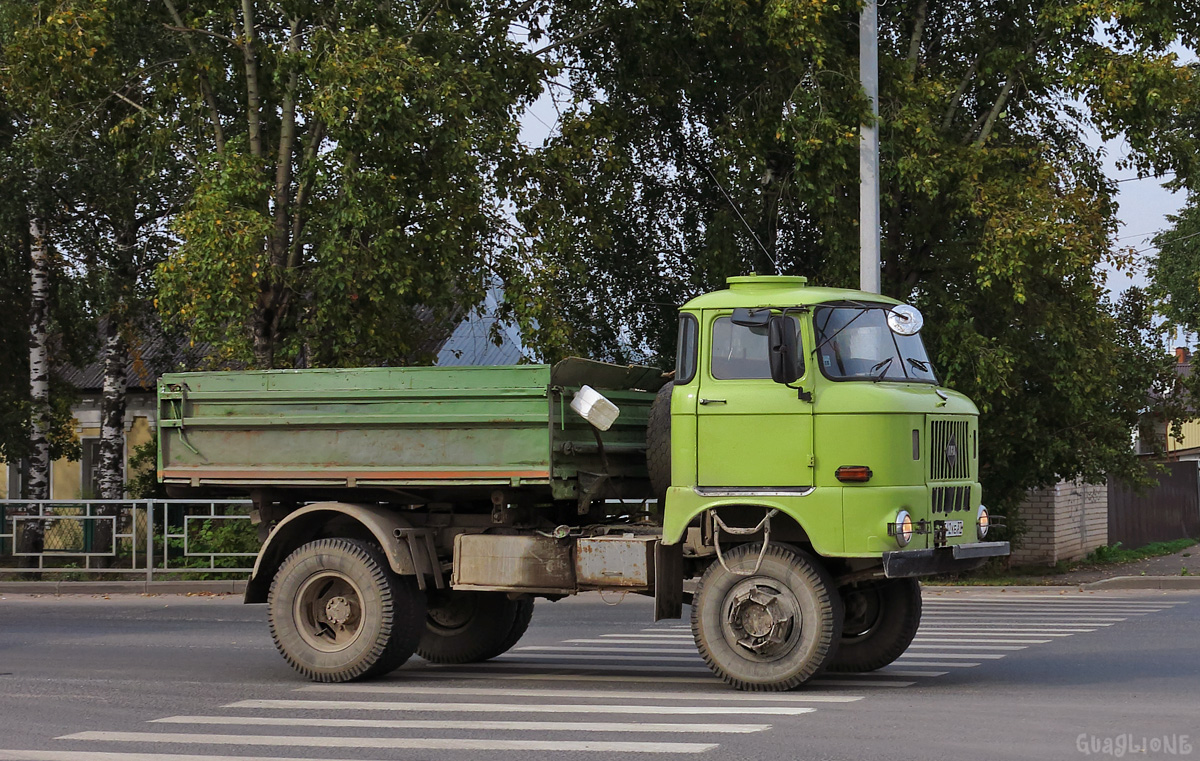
{"points": [[91, 537]]}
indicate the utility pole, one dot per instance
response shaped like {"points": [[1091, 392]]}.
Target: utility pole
{"points": [[868, 151]]}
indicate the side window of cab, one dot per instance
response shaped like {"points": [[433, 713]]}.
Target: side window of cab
{"points": [[738, 352]]}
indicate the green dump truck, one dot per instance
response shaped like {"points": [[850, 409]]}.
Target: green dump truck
{"points": [[789, 483]]}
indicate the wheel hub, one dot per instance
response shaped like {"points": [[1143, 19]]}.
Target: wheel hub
{"points": [[337, 610], [328, 611], [760, 619]]}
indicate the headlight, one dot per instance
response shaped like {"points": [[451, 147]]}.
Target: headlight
{"points": [[903, 528], [982, 522]]}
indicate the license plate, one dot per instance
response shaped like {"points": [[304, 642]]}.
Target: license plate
{"points": [[954, 528]]}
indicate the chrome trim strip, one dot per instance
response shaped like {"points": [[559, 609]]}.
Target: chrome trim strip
{"points": [[744, 491]]}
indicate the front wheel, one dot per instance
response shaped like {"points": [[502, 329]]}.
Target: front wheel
{"points": [[338, 613], [773, 628], [881, 621]]}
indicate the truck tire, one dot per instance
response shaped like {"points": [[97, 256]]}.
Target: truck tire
{"points": [[768, 630], [521, 620], [469, 627], [658, 441], [338, 613], [881, 621]]}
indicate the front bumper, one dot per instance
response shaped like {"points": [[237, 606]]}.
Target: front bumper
{"points": [[954, 559]]}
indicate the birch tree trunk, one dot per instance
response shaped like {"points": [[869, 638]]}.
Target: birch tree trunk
{"points": [[112, 413], [39, 365]]}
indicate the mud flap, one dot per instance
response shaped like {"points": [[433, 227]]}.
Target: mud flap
{"points": [[668, 581]]}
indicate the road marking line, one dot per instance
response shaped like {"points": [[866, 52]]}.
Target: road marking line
{"points": [[584, 677], [558, 648], [982, 641], [381, 705], [932, 663], [860, 683], [650, 633], [534, 657], [967, 647], [623, 662], [998, 632], [536, 726], [388, 689], [1064, 602], [411, 743], [1038, 611], [902, 672], [987, 656], [960, 615], [629, 641], [95, 755], [959, 626]]}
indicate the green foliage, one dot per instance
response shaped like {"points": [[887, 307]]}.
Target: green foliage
{"points": [[142, 480], [1175, 272], [1115, 553], [352, 216]]}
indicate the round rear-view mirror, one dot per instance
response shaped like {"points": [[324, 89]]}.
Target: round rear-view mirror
{"points": [[905, 320]]}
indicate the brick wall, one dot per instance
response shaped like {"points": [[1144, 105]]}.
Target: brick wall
{"points": [[1063, 522]]}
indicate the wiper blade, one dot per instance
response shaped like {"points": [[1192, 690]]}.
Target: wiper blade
{"points": [[884, 364], [922, 366]]}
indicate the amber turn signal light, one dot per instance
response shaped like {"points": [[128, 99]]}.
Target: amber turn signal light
{"points": [[853, 473]]}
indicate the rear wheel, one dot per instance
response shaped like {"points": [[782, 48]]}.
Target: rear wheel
{"points": [[338, 613], [468, 627], [881, 621], [773, 628]]}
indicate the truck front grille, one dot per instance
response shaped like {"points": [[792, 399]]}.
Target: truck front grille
{"points": [[951, 499], [949, 450]]}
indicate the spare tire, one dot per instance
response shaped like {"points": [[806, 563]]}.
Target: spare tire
{"points": [[658, 441]]}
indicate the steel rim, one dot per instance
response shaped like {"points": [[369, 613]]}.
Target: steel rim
{"points": [[863, 612], [328, 611], [761, 619], [451, 612]]}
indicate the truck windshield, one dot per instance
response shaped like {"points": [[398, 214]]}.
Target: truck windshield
{"points": [[855, 343]]}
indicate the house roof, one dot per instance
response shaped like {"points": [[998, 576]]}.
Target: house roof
{"points": [[154, 354]]}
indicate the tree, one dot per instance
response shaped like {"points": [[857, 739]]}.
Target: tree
{"points": [[680, 120], [1175, 271], [42, 294], [353, 173], [82, 73]]}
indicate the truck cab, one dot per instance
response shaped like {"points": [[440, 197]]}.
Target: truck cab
{"points": [[813, 418]]}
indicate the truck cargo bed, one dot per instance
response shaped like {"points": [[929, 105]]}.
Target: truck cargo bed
{"points": [[404, 428]]}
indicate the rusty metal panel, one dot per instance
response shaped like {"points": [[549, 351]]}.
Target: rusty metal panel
{"points": [[606, 562], [512, 563]]}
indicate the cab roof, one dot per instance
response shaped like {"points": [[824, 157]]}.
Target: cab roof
{"points": [[777, 291]]}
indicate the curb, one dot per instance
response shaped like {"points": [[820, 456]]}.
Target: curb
{"points": [[59, 588], [1145, 582]]}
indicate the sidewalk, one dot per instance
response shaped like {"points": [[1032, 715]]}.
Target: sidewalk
{"points": [[1164, 572], [122, 587]]}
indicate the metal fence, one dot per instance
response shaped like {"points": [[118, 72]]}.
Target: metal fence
{"points": [[1169, 510], [91, 537]]}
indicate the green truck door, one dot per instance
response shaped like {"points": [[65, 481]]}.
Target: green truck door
{"points": [[751, 431]]}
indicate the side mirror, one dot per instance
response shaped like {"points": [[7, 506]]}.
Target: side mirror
{"points": [[905, 320], [751, 318], [786, 366]]}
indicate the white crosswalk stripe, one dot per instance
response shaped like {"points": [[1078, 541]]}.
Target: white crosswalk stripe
{"points": [[586, 695]]}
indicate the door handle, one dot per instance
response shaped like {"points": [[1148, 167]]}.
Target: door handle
{"points": [[712, 401]]}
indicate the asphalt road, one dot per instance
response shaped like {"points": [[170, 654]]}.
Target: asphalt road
{"points": [[1037, 674]]}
